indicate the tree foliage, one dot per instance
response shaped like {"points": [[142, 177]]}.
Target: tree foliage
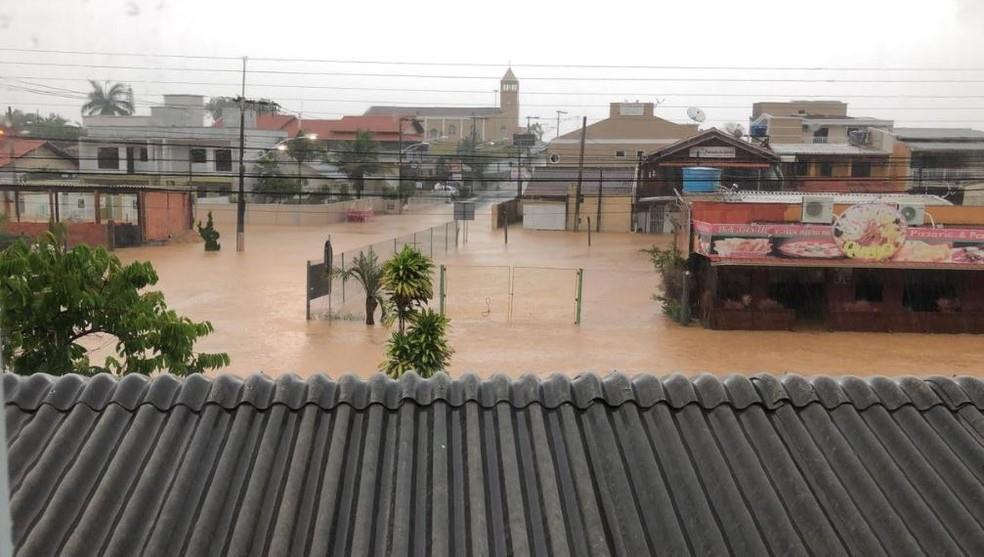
{"points": [[357, 159], [475, 162], [52, 298], [408, 283], [271, 183], [423, 348], [109, 100], [365, 270], [672, 268], [52, 127]]}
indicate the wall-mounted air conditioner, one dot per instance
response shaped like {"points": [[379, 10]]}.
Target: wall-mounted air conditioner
{"points": [[817, 209], [915, 215]]}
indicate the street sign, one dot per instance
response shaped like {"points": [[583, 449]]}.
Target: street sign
{"points": [[464, 210], [524, 139]]}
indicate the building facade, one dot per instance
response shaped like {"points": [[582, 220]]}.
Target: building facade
{"points": [[631, 131], [454, 124], [824, 149]]}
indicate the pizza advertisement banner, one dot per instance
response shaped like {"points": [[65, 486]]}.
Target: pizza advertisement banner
{"points": [[841, 244]]}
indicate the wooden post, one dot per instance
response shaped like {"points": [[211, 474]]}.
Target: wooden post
{"points": [[580, 175]]}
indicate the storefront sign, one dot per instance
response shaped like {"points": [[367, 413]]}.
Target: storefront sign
{"points": [[712, 152], [812, 243]]}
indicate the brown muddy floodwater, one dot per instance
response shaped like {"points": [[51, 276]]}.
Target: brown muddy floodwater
{"points": [[255, 300]]}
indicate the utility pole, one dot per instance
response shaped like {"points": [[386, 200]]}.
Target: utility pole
{"points": [[601, 181], [241, 209], [559, 112], [580, 175]]}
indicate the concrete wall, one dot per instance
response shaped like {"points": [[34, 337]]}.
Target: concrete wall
{"points": [[286, 214], [825, 108], [78, 232], [166, 214], [616, 213]]}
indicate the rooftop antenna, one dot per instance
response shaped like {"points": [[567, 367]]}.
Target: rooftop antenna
{"points": [[696, 114]]}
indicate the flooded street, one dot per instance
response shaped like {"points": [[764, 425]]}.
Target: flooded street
{"points": [[255, 301]]}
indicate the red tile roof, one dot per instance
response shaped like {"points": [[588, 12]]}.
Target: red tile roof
{"points": [[21, 147], [384, 128], [279, 122]]}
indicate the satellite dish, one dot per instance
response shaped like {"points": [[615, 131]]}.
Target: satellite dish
{"points": [[696, 114]]}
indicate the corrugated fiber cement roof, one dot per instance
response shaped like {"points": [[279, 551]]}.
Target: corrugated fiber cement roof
{"points": [[618, 465]]}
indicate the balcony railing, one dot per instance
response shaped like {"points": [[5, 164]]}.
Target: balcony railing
{"points": [[948, 175], [820, 139]]}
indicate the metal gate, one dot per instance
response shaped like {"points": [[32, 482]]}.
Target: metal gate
{"points": [[508, 294]]}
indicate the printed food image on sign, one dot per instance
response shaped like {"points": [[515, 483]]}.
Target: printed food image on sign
{"points": [[743, 247], [971, 255], [811, 249], [917, 250], [872, 232]]}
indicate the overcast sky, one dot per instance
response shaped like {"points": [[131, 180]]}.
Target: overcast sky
{"points": [[703, 34]]}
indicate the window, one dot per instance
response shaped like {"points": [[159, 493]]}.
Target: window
{"points": [[820, 136], [868, 287], [860, 169], [801, 168], [433, 133], [143, 154], [223, 160], [452, 130], [108, 158], [81, 203], [931, 291], [619, 154], [826, 168], [198, 156]]}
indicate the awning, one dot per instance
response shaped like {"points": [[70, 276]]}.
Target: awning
{"points": [[845, 264]]}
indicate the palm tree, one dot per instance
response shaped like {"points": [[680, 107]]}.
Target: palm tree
{"points": [[358, 158], [108, 100], [366, 271], [408, 283]]}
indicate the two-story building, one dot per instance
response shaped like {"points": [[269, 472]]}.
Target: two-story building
{"points": [[948, 162], [821, 148], [171, 147]]}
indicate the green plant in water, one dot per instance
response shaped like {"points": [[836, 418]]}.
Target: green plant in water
{"points": [[423, 348], [408, 283], [672, 269], [209, 234]]}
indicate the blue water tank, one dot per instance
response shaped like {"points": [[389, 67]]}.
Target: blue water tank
{"points": [[700, 179]]}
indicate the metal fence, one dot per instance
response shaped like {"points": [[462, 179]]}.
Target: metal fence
{"points": [[347, 298], [511, 294]]}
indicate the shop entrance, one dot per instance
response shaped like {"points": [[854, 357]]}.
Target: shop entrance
{"points": [[800, 290]]}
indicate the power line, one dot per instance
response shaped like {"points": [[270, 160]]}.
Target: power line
{"points": [[499, 65], [488, 77], [771, 94]]}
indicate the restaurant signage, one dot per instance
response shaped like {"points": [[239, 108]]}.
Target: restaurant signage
{"points": [[712, 152], [863, 235]]}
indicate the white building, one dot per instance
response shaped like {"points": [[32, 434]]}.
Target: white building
{"points": [[171, 147]]}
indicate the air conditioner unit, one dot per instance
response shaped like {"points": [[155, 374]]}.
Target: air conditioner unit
{"points": [[915, 215], [817, 210]]}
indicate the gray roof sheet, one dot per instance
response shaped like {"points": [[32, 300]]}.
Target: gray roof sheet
{"points": [[530, 466], [921, 146], [553, 181], [938, 133]]}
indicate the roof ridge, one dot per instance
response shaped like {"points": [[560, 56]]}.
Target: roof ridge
{"points": [[166, 392]]}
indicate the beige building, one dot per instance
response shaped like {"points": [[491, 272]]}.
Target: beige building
{"points": [[451, 123], [631, 131], [821, 148]]}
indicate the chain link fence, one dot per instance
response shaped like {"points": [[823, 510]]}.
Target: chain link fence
{"points": [[511, 294], [347, 298]]}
